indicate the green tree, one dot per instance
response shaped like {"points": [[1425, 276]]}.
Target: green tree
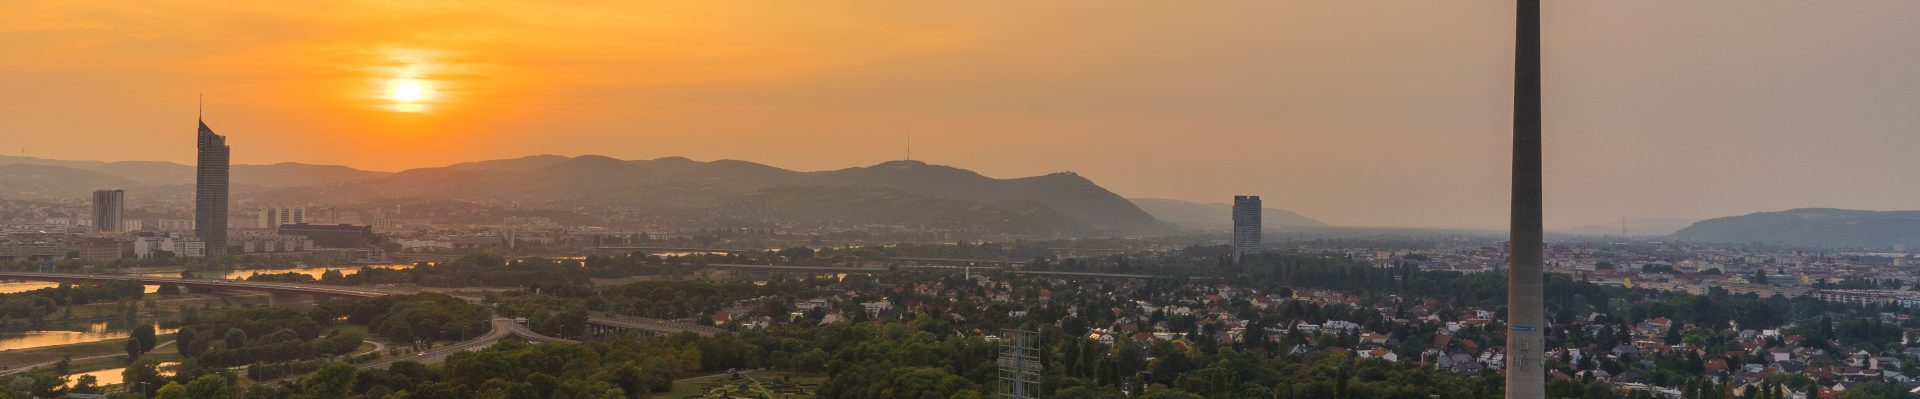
{"points": [[333, 381], [183, 341], [64, 366], [210, 386], [133, 349], [142, 376], [86, 384], [145, 335], [173, 390], [236, 338]]}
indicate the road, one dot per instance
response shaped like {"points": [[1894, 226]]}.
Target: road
{"points": [[499, 328]]}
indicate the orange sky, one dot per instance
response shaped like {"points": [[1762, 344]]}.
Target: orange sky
{"points": [[1355, 112]]}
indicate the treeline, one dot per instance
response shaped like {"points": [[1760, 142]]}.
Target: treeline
{"points": [[404, 318], [272, 339], [924, 358], [508, 370], [35, 306], [467, 271], [1566, 297], [562, 310], [240, 336]]}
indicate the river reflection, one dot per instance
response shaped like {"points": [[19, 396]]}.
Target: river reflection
{"points": [[94, 332], [8, 287], [116, 375], [314, 272]]}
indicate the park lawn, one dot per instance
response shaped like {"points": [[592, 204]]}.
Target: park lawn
{"points": [[682, 390]]}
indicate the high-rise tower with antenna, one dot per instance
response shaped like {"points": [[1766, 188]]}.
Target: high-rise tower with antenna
{"points": [[210, 189]]}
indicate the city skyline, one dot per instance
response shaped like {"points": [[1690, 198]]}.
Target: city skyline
{"points": [[844, 199], [1708, 109]]}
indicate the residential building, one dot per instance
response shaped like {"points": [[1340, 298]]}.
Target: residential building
{"points": [[1246, 225], [274, 216], [331, 235], [109, 206]]}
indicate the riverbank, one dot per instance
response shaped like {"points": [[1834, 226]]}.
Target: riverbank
{"points": [[87, 356]]}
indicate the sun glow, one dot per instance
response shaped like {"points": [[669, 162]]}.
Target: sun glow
{"points": [[409, 94]]}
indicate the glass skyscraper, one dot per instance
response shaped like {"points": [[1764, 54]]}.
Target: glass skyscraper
{"points": [[210, 192]]}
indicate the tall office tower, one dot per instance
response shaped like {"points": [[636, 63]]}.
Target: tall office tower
{"points": [[1246, 225], [1526, 370], [108, 207], [210, 191], [272, 217]]}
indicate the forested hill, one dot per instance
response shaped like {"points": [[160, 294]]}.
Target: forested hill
{"points": [[899, 192], [1822, 227]]}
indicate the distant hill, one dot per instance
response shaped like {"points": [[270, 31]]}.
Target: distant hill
{"points": [[1635, 227], [149, 173], [1812, 227], [900, 193], [892, 193], [520, 164], [1216, 215], [53, 183]]}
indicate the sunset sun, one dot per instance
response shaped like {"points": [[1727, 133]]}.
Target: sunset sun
{"points": [[409, 95]]}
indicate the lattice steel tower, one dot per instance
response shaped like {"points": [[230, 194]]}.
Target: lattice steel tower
{"points": [[1019, 365]]}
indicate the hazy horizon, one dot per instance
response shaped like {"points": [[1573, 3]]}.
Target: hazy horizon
{"points": [[1369, 113]]}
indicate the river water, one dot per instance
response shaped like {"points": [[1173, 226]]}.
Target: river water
{"points": [[8, 287], [114, 376], [94, 332]]}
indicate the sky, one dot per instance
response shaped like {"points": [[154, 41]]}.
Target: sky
{"points": [[1355, 112]]}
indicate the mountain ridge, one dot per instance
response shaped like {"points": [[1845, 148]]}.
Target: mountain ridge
{"points": [[913, 192], [1215, 215], [685, 186], [283, 174], [1653, 227], [1826, 227]]}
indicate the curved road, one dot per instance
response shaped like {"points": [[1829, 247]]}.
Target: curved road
{"points": [[500, 328]]}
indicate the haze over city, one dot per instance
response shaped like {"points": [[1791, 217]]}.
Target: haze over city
{"points": [[1374, 113], [1079, 199]]}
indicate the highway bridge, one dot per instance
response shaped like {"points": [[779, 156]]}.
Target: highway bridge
{"points": [[620, 249], [810, 269], [825, 269], [960, 262], [606, 321]]}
